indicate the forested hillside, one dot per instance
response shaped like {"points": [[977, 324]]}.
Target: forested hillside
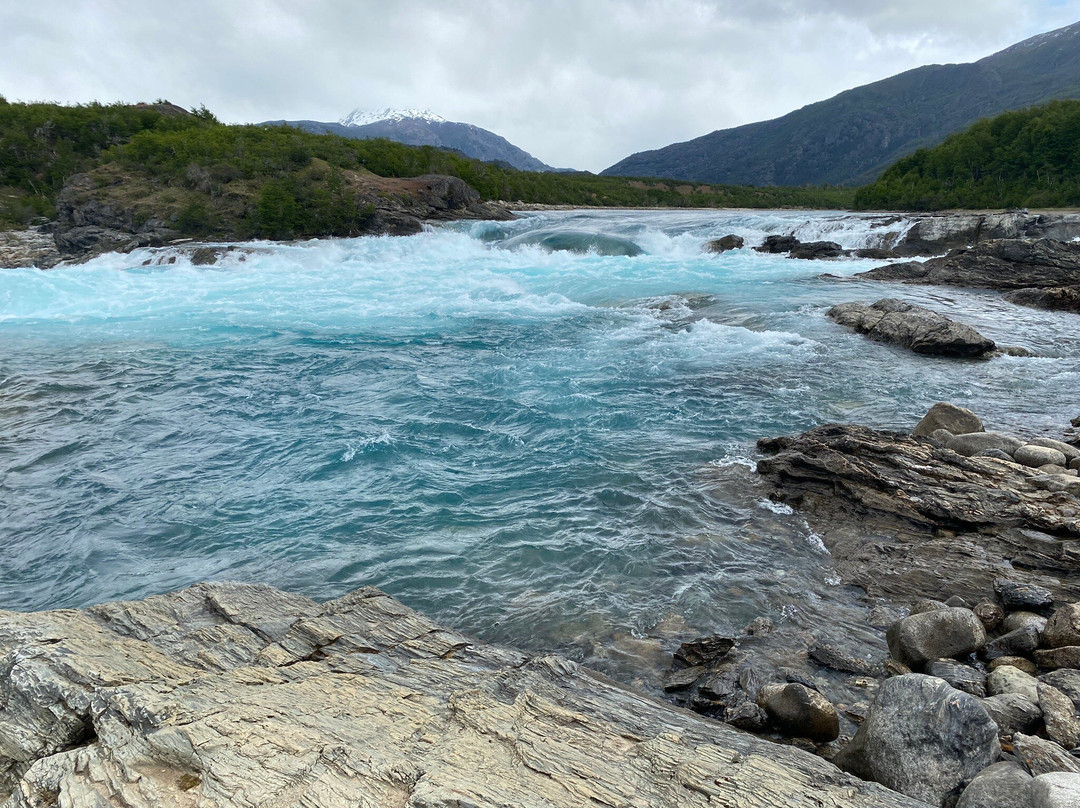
{"points": [[1029, 158]]}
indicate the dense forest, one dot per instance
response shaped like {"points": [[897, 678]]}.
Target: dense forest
{"points": [[207, 177], [1028, 158]]}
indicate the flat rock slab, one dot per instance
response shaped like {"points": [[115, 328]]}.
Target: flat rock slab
{"points": [[905, 517], [243, 696], [914, 327]]}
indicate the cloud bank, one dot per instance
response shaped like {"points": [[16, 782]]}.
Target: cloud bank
{"points": [[579, 84]]}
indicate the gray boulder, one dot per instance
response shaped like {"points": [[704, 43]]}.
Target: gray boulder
{"points": [[958, 420], [973, 443], [1067, 680], [922, 738], [1021, 663], [1063, 627], [1018, 642], [1038, 456], [1003, 785], [1055, 790], [1071, 452], [948, 632], [1016, 595], [800, 712], [914, 327], [1040, 756], [1013, 713], [962, 677], [1013, 680], [1059, 716], [1067, 656], [1024, 620]]}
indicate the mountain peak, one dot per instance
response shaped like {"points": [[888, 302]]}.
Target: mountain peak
{"points": [[363, 117]]}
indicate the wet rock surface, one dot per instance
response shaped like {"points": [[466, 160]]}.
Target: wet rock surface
{"points": [[1040, 272], [956, 523], [241, 695], [914, 327]]}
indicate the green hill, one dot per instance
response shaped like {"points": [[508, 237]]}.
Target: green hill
{"points": [[1029, 158], [203, 178]]}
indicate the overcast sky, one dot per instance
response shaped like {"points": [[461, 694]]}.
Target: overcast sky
{"points": [[579, 84]]}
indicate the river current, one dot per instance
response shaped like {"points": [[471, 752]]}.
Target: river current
{"points": [[535, 445]]}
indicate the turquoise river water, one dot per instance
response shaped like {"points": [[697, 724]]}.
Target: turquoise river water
{"points": [[546, 447]]}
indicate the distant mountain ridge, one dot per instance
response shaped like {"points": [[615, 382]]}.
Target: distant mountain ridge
{"points": [[851, 138], [416, 127]]}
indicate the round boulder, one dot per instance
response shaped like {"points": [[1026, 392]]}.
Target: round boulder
{"points": [[1003, 785], [1071, 452], [1055, 790], [1037, 456], [958, 420], [1063, 627], [939, 634], [800, 712], [1013, 680], [922, 738], [975, 443]]}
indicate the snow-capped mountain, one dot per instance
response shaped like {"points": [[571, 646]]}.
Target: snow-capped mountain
{"points": [[362, 117], [421, 127]]}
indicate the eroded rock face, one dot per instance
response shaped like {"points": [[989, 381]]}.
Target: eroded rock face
{"points": [[914, 327], [922, 738], [243, 696], [958, 523]]}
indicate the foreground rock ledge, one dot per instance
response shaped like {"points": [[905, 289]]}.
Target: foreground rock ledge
{"points": [[240, 695], [905, 517]]}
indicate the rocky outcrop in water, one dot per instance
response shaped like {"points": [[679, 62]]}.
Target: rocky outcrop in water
{"points": [[914, 327], [1041, 272], [243, 696]]}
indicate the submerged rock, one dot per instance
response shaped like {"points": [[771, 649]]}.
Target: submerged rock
{"points": [[914, 327], [227, 695], [927, 759]]}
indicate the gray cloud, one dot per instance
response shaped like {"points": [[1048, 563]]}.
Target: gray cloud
{"points": [[576, 83]]}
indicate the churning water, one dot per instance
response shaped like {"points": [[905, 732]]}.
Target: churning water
{"points": [[533, 444]]}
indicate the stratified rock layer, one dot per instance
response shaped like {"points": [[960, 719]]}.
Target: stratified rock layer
{"points": [[240, 695], [906, 517]]}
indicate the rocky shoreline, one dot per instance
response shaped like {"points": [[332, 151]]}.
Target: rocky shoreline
{"points": [[88, 223], [241, 695]]}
